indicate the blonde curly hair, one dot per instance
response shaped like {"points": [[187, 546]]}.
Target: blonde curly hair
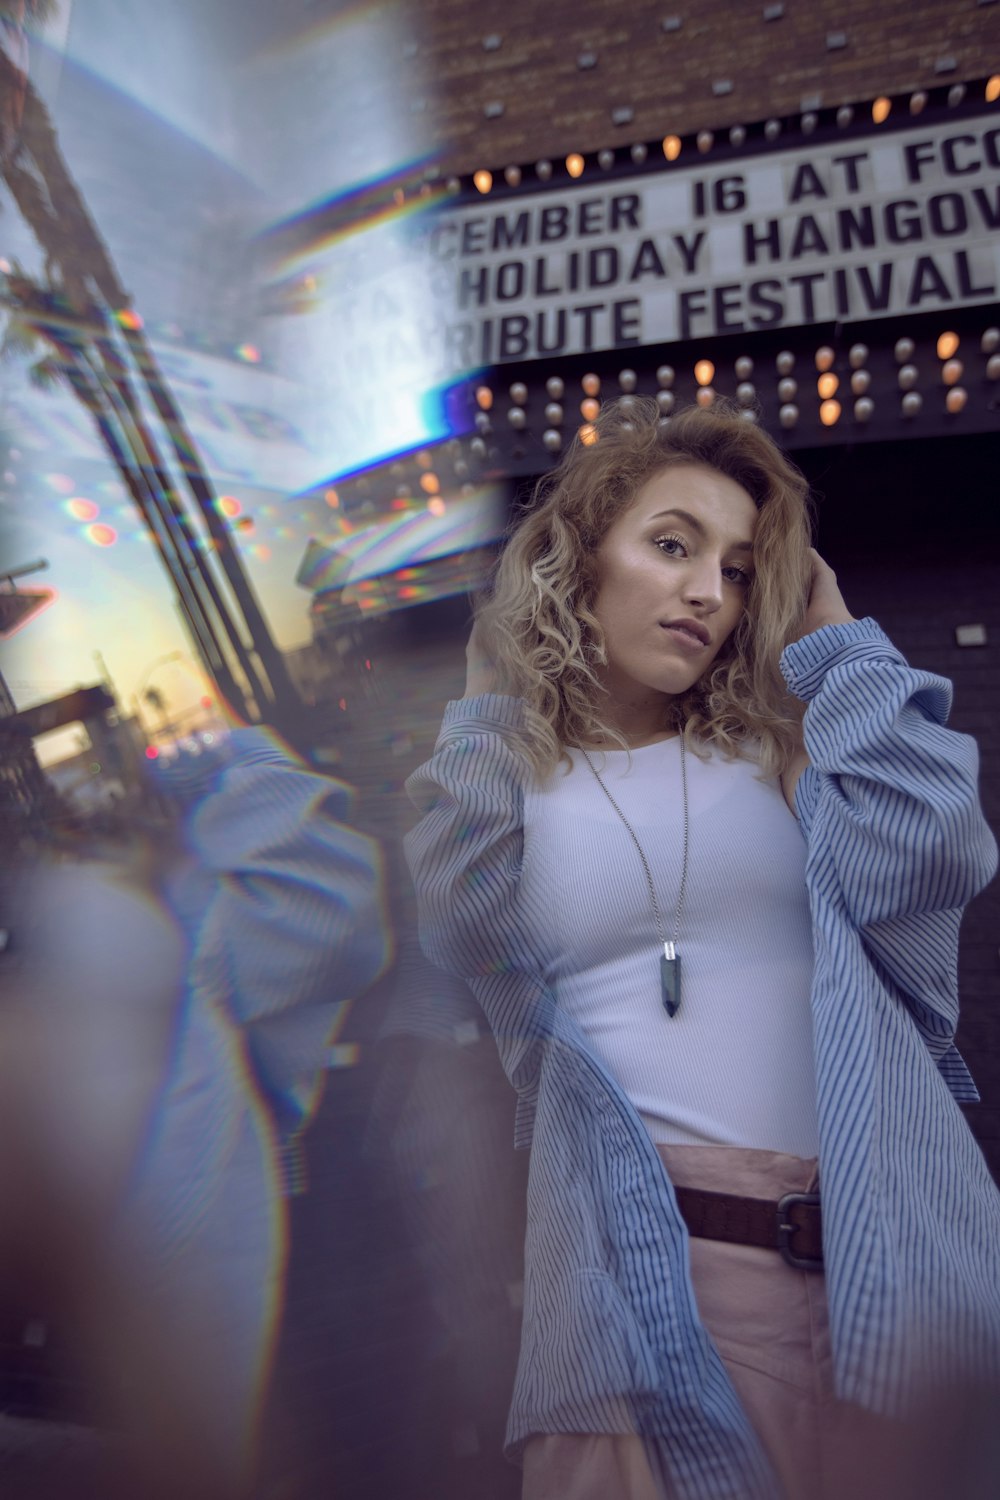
{"points": [[536, 618]]}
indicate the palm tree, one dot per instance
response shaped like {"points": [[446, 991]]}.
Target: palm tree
{"points": [[79, 268]]}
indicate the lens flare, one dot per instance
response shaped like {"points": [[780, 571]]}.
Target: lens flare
{"points": [[82, 510]]}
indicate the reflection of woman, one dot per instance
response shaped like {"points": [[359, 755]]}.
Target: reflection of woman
{"points": [[680, 979], [160, 1058]]}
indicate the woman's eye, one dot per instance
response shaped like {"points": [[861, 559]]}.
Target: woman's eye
{"points": [[736, 574], [671, 545]]}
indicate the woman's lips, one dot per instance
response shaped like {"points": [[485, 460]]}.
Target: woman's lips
{"points": [[685, 637]]}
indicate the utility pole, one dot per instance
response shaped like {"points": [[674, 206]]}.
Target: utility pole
{"points": [[91, 293]]}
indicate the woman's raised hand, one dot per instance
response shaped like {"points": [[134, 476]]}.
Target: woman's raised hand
{"points": [[480, 669], [825, 604]]}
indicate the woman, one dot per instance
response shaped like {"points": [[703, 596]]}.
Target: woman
{"points": [[693, 997]]}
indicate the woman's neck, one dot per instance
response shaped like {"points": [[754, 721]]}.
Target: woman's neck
{"points": [[639, 721]]}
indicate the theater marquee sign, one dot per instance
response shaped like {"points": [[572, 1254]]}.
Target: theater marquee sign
{"points": [[845, 230]]}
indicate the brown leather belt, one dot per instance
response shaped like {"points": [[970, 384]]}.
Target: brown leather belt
{"points": [[792, 1225]]}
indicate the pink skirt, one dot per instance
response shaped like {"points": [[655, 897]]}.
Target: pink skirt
{"points": [[770, 1324]]}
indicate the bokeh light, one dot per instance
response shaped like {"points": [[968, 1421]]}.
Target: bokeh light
{"points": [[102, 535], [82, 510]]}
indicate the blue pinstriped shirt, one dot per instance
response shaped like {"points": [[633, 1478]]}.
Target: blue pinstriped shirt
{"points": [[897, 846]]}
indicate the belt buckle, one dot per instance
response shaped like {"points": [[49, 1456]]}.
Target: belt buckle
{"points": [[786, 1229]]}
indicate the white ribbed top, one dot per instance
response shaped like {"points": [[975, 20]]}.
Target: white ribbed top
{"points": [[735, 1066]]}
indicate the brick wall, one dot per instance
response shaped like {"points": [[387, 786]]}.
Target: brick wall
{"points": [[672, 80]]}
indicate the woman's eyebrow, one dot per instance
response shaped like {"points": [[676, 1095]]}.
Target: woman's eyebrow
{"points": [[696, 525]]}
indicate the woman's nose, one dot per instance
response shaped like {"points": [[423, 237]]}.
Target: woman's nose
{"points": [[703, 587]]}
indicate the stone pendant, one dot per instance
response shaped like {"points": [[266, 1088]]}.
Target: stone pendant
{"points": [[670, 979]]}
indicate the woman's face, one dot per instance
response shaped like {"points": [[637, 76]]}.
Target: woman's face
{"points": [[673, 572]]}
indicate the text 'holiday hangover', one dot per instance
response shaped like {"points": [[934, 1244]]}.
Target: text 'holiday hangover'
{"points": [[847, 232]]}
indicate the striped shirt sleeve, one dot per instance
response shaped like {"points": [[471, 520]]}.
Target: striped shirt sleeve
{"points": [[890, 808]]}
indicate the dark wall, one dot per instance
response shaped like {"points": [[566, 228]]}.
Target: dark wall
{"points": [[912, 531]]}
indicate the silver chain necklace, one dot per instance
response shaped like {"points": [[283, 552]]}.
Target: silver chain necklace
{"points": [[670, 963]]}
